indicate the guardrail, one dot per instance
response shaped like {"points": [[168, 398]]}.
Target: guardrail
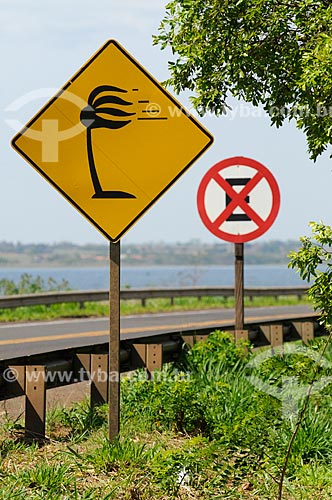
{"points": [[143, 294], [31, 376]]}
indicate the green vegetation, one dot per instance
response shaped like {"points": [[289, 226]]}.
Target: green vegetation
{"points": [[274, 54], [29, 284], [199, 430]]}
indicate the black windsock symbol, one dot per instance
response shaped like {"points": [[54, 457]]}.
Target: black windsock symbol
{"points": [[97, 115]]}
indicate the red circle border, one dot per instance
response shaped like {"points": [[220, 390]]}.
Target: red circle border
{"points": [[229, 162]]}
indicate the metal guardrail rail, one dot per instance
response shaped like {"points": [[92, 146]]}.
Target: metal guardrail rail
{"points": [[143, 294]]}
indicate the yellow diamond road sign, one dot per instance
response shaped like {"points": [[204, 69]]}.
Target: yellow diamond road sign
{"points": [[112, 140]]}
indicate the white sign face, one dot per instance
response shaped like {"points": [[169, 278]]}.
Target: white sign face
{"points": [[238, 199]]}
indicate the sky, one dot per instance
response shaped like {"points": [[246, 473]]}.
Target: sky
{"points": [[44, 43]]}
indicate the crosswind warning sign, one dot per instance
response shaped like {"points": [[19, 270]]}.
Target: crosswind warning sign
{"points": [[112, 140], [238, 199]]}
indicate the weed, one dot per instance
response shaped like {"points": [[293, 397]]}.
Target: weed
{"points": [[79, 420], [121, 453]]}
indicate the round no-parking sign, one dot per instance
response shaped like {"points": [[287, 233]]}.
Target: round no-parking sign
{"points": [[238, 199]]}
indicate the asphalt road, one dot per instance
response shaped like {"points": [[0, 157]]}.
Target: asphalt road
{"points": [[22, 339]]}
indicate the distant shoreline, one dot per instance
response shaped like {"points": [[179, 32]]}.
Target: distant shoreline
{"points": [[192, 253], [142, 266]]}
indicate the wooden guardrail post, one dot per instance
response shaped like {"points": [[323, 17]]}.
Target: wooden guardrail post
{"points": [[273, 334], [99, 379], [241, 335], [154, 357], [276, 338], [305, 329], [150, 356], [35, 402]]}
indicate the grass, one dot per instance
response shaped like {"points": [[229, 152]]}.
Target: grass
{"points": [[198, 430], [100, 309]]}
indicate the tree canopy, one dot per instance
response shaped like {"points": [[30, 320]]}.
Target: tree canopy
{"points": [[273, 53]]}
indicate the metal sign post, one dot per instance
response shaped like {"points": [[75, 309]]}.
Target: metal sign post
{"points": [[238, 289], [114, 344]]}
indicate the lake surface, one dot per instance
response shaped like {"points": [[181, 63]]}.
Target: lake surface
{"points": [[91, 278]]}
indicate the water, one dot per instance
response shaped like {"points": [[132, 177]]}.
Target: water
{"points": [[92, 278]]}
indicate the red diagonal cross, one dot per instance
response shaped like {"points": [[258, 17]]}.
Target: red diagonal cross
{"points": [[238, 200]]}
